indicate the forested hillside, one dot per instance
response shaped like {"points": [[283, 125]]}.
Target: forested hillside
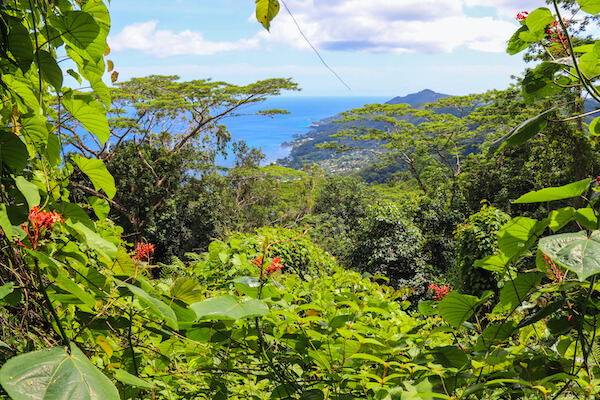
{"points": [[460, 263]]}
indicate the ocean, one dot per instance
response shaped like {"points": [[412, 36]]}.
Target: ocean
{"points": [[268, 133]]}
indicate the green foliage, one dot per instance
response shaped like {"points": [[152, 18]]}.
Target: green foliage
{"points": [[387, 243], [476, 239]]}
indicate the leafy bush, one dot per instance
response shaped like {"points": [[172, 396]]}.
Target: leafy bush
{"points": [[475, 239], [389, 244]]}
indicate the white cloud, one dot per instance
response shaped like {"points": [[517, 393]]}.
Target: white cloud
{"points": [[164, 43], [385, 26], [423, 26]]}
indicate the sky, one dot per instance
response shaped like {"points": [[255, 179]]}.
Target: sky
{"points": [[377, 47]]}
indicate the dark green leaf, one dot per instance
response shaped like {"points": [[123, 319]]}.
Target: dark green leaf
{"points": [[515, 291], [539, 82], [542, 313], [49, 69], [522, 133], [13, 152]]}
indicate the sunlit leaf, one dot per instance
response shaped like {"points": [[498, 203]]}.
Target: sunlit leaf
{"points": [[29, 190], [266, 10], [123, 264], [522, 133], [519, 234], [575, 251], [156, 307], [91, 114], [98, 174], [229, 307], [52, 374], [100, 206], [539, 19], [515, 291], [123, 376], [188, 290], [574, 189], [590, 6], [456, 308]]}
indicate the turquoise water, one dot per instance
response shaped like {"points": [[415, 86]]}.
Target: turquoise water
{"points": [[269, 133]]}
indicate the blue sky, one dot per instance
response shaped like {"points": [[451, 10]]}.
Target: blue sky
{"points": [[378, 47]]}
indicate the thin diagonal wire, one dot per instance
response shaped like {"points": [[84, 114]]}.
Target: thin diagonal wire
{"points": [[313, 47]]}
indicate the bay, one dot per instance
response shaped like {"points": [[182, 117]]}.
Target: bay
{"points": [[269, 133]]}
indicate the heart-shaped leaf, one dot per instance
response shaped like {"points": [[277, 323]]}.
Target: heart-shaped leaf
{"points": [[575, 251]]}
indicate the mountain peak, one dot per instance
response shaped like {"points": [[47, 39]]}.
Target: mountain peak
{"points": [[415, 99]]}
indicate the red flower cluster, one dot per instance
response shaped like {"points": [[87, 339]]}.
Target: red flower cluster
{"points": [[274, 266], [142, 252], [554, 273], [40, 225], [439, 291], [522, 15]]}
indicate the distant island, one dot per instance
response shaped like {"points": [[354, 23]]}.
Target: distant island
{"points": [[304, 148]]}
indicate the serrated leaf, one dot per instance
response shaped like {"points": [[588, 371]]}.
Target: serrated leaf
{"points": [[228, 307], [575, 251], [98, 174], [55, 374], [575, 189]]}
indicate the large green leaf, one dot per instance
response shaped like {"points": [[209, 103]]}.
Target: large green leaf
{"points": [[29, 190], [94, 240], [5, 223], [575, 251], [156, 306], [515, 291], [13, 152], [53, 374], [574, 189], [539, 19], [22, 87], [188, 290], [98, 174], [456, 308], [49, 69], [559, 218], [129, 379], [590, 6], [91, 114], [81, 32], [495, 262], [587, 218], [522, 133], [35, 129], [229, 307], [516, 44], [539, 82], [123, 264], [266, 10], [519, 234], [19, 43], [100, 206]]}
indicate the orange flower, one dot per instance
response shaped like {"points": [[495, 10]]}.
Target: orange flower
{"points": [[439, 291], [275, 265], [40, 225], [142, 251]]}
